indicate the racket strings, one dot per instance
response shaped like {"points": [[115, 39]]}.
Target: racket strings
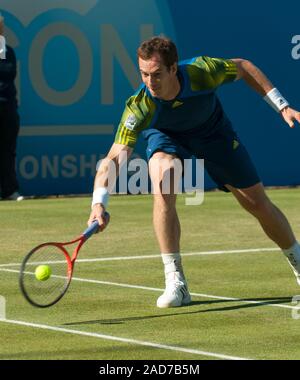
{"points": [[48, 260]]}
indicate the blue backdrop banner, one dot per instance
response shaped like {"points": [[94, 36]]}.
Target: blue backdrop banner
{"points": [[77, 66]]}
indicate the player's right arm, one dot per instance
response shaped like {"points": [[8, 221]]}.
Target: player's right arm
{"points": [[105, 179], [137, 115]]}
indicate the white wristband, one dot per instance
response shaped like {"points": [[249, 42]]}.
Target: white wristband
{"points": [[100, 195], [276, 100]]}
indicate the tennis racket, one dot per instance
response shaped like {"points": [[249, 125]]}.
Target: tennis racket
{"points": [[46, 271]]}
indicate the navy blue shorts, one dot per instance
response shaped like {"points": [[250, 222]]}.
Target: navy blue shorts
{"points": [[225, 157]]}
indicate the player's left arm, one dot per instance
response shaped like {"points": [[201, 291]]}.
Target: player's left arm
{"points": [[257, 80]]}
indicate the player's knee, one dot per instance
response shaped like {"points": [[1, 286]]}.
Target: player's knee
{"points": [[164, 161], [164, 203], [165, 172]]}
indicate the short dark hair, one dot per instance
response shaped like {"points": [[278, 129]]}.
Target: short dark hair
{"points": [[161, 45]]}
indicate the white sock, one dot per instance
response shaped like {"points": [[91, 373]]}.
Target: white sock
{"points": [[173, 266], [293, 252]]}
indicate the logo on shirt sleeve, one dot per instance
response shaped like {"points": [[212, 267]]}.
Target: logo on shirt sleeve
{"points": [[130, 122], [176, 104], [235, 144]]}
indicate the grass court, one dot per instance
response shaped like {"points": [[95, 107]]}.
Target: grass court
{"points": [[241, 285]]}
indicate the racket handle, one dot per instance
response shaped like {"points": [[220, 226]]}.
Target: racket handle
{"points": [[94, 227]]}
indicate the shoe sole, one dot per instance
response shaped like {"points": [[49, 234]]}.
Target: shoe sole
{"points": [[187, 300]]}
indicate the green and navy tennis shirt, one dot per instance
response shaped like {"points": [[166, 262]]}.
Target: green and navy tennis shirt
{"points": [[196, 110]]}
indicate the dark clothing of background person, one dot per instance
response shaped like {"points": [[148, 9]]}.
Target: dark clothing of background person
{"points": [[9, 124]]}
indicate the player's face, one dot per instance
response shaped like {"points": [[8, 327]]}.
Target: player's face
{"points": [[158, 79]]}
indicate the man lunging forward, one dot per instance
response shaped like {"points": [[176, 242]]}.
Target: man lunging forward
{"points": [[177, 111]]}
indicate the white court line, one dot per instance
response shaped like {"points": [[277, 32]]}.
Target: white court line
{"points": [[123, 340], [251, 250], [161, 290]]}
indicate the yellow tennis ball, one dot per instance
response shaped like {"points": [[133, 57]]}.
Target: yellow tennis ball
{"points": [[42, 272]]}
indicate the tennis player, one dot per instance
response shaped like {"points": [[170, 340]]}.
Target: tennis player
{"points": [[178, 112]]}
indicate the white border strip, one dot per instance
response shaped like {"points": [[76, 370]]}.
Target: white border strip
{"points": [[123, 340]]}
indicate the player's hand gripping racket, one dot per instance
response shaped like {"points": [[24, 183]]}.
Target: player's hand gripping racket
{"points": [[46, 271]]}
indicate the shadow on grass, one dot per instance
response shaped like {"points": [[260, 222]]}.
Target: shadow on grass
{"points": [[253, 302]]}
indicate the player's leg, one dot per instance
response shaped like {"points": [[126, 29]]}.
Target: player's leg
{"points": [[230, 165], [165, 172], [165, 219], [162, 168], [272, 220]]}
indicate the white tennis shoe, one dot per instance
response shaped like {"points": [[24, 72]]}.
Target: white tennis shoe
{"points": [[176, 294], [15, 197], [295, 265]]}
